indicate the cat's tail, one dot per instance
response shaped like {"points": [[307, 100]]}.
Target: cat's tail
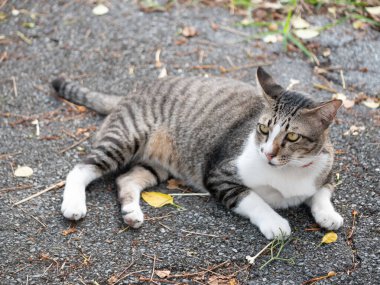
{"points": [[73, 92]]}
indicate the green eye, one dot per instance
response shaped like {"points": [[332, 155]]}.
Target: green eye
{"points": [[293, 137], [263, 129]]}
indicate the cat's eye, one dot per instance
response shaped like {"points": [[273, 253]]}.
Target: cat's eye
{"points": [[263, 129], [293, 137]]}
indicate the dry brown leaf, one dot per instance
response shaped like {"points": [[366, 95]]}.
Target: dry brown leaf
{"points": [[173, 184], [44, 256], [181, 41], [112, 280], [81, 109], [162, 273], [189, 31], [69, 231], [348, 103]]}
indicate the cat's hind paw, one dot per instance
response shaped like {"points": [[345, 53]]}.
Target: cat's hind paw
{"points": [[275, 228], [73, 209], [330, 220], [133, 216]]}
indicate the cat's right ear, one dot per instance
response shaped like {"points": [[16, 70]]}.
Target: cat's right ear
{"points": [[268, 87]]}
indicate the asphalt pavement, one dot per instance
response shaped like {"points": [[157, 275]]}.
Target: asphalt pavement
{"points": [[203, 244]]}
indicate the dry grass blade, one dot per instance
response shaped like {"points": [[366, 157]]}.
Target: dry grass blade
{"points": [[52, 187]]}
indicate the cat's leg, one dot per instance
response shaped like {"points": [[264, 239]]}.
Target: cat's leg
{"points": [[130, 186], [270, 223], [225, 186], [74, 197], [110, 152], [323, 210]]}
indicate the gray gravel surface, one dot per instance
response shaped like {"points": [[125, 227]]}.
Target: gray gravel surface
{"points": [[101, 52]]}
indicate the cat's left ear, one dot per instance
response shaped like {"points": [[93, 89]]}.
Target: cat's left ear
{"points": [[325, 111], [270, 89]]}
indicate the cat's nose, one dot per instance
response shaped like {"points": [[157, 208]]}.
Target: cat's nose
{"points": [[269, 156]]}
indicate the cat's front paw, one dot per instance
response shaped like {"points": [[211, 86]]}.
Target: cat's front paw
{"points": [[132, 215], [74, 209], [330, 220], [275, 227]]}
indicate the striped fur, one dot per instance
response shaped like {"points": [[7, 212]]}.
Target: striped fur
{"points": [[192, 128]]}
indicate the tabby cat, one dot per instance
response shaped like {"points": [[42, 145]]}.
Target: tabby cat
{"points": [[254, 149]]}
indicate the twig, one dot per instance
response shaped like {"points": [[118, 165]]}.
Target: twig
{"points": [[52, 187], [342, 78], [125, 269], [323, 87], [75, 144], [251, 259], [14, 86], [231, 30], [5, 155], [189, 194], [236, 68], [201, 234], [199, 272], [165, 226], [129, 274], [157, 280], [153, 267]]}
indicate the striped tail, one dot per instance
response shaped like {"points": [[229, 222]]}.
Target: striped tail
{"points": [[73, 92]]}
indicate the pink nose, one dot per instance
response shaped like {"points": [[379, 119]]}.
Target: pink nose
{"points": [[269, 156]]}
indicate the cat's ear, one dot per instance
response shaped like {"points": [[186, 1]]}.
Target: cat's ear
{"points": [[325, 111], [270, 89]]}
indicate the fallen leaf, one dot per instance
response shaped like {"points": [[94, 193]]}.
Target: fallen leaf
{"points": [[189, 32], [15, 12], [358, 25], [163, 73], [339, 96], [3, 16], [44, 256], [173, 184], [330, 237], [371, 103], [162, 273], [374, 11], [332, 10], [100, 10], [181, 41], [28, 25], [23, 171], [69, 231], [273, 27], [326, 52], [81, 109], [299, 23], [348, 103], [157, 199], [306, 34], [270, 39]]}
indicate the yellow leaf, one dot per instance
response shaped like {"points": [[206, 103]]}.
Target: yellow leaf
{"points": [[371, 104], [330, 237], [157, 199]]}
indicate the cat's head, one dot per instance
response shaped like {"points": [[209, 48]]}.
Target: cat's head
{"points": [[292, 128]]}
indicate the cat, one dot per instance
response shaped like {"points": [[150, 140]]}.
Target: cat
{"points": [[255, 149]]}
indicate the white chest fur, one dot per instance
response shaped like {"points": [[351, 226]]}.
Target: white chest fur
{"points": [[280, 187]]}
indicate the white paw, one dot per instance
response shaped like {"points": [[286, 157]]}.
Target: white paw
{"points": [[132, 215], [74, 208], [330, 220], [275, 227]]}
